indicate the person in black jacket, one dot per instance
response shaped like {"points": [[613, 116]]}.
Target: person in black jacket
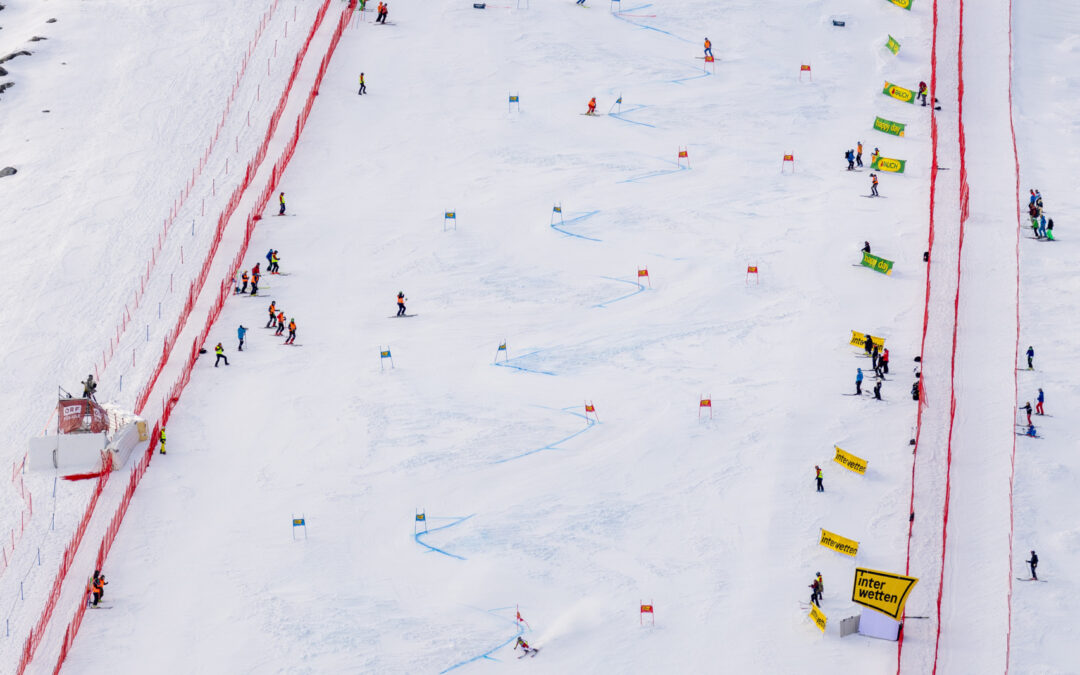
{"points": [[1034, 562], [868, 344]]}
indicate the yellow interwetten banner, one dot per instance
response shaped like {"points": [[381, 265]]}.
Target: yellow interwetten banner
{"points": [[818, 617], [882, 591], [859, 340], [850, 461], [839, 544]]}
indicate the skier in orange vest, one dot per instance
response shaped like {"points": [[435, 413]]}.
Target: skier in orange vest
{"points": [[592, 106], [708, 47]]}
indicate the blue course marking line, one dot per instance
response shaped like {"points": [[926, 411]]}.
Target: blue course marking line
{"points": [[507, 364], [589, 424], [640, 289], [558, 226], [619, 116], [654, 174], [695, 77], [431, 549], [645, 25], [488, 653]]}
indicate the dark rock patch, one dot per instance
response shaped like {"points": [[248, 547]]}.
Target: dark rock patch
{"points": [[8, 171], [21, 52]]}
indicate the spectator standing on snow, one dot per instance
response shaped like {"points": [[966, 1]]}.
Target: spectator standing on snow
{"points": [[273, 314], [240, 333], [877, 390], [884, 361], [819, 478], [858, 153], [280, 323], [281, 202], [220, 352], [873, 185], [1039, 403], [1027, 408], [363, 87], [850, 157], [922, 93], [858, 381], [1031, 357], [273, 268], [868, 344], [1034, 562]]}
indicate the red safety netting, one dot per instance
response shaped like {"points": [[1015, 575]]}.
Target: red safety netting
{"points": [[170, 400]]}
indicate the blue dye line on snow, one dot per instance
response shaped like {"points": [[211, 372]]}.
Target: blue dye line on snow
{"points": [[654, 174], [432, 549], [640, 289], [558, 226], [488, 653], [687, 79], [619, 116], [589, 424], [645, 25], [507, 364]]}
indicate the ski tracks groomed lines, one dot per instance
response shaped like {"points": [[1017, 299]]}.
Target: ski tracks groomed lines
{"points": [[432, 549], [589, 424]]}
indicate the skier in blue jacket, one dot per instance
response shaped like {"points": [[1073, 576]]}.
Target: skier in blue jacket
{"points": [[240, 333], [1031, 357], [858, 381], [850, 157]]}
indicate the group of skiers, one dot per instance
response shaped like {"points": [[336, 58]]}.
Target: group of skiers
{"points": [[1039, 400], [1040, 226], [277, 316], [854, 159], [879, 360], [241, 279], [95, 589], [381, 14]]}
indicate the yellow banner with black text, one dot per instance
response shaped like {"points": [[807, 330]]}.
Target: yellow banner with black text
{"points": [[839, 544]]}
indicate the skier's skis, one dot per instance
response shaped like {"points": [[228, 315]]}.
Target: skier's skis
{"points": [[1030, 579], [400, 316]]}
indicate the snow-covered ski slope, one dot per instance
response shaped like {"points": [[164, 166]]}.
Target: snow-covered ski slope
{"points": [[715, 522], [59, 103], [528, 503]]}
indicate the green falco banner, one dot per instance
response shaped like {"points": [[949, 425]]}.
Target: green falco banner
{"points": [[892, 45], [902, 4], [888, 164]]}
